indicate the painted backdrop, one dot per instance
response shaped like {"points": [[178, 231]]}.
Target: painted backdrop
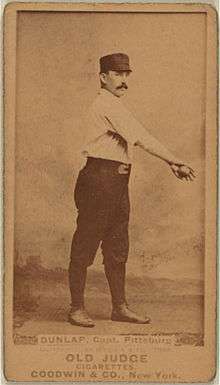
{"points": [[57, 79]]}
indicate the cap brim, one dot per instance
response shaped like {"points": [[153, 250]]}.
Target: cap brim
{"points": [[120, 69]]}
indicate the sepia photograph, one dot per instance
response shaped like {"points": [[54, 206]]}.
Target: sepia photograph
{"points": [[110, 192]]}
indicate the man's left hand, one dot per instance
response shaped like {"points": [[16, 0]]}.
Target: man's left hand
{"points": [[183, 172]]}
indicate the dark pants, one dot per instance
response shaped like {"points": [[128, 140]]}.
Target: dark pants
{"points": [[101, 197]]}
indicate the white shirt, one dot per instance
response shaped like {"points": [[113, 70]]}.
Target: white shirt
{"points": [[113, 130]]}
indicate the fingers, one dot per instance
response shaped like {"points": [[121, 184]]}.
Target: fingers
{"points": [[192, 172], [187, 178]]}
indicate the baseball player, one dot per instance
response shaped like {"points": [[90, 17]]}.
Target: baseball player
{"points": [[101, 191]]}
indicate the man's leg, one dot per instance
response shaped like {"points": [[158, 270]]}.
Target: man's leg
{"points": [[115, 274], [115, 248], [77, 281], [84, 247], [91, 219]]}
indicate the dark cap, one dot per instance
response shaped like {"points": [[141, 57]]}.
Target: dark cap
{"points": [[114, 62]]}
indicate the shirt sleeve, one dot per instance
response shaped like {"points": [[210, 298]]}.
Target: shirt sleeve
{"points": [[125, 124], [113, 115], [134, 132]]}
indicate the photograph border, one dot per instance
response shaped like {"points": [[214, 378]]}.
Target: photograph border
{"points": [[211, 158]]}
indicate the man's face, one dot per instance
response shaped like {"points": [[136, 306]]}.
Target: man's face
{"points": [[115, 82]]}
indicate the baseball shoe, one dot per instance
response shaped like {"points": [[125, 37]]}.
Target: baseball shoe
{"points": [[122, 313], [79, 317]]}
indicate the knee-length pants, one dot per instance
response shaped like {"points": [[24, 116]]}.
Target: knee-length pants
{"points": [[101, 197]]}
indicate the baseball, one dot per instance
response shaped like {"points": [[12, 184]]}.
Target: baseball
{"points": [[184, 171]]}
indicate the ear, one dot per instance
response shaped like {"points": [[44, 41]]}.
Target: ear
{"points": [[103, 76]]}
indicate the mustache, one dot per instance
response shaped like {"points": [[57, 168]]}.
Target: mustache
{"points": [[122, 86]]}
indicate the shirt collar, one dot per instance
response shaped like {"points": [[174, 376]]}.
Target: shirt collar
{"points": [[107, 94]]}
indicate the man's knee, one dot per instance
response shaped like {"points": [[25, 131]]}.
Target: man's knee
{"points": [[79, 263]]}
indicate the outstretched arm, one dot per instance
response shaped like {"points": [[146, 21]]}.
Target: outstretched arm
{"points": [[123, 122]]}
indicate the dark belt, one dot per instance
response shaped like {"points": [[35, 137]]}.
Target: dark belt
{"points": [[112, 165]]}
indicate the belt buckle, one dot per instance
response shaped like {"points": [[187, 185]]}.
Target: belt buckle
{"points": [[123, 168]]}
